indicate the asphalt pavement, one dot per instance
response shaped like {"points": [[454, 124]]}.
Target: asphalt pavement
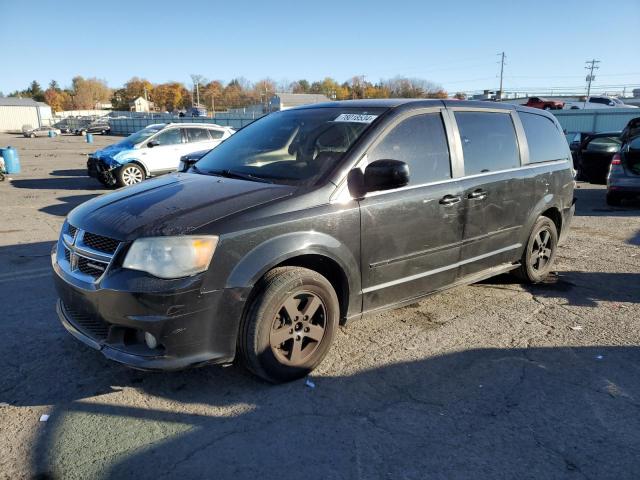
{"points": [[494, 380]]}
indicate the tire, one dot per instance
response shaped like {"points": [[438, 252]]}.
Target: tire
{"points": [[547, 107], [282, 293], [534, 267], [614, 199], [130, 174], [33, 135]]}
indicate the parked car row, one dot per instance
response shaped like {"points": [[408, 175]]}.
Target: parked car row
{"points": [[591, 102], [609, 157]]}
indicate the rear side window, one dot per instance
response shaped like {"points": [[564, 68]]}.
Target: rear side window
{"points": [[488, 141], [421, 143], [197, 135], [544, 139], [216, 134]]}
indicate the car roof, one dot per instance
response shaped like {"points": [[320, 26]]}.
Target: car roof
{"points": [[412, 102], [195, 124]]}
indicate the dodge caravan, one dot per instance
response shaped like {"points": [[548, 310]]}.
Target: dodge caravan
{"points": [[309, 218]]}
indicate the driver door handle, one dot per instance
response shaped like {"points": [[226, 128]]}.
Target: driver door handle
{"points": [[477, 195], [449, 200]]}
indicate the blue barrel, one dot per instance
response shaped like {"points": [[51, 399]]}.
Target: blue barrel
{"points": [[89, 137], [52, 134], [11, 159]]}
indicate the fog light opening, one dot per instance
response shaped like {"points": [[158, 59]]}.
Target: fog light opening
{"points": [[150, 340]]}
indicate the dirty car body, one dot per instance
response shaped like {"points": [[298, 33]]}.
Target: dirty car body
{"points": [[280, 192]]}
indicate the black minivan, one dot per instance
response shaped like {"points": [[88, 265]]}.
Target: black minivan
{"points": [[309, 218]]}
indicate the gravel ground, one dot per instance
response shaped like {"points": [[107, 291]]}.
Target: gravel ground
{"points": [[494, 380]]}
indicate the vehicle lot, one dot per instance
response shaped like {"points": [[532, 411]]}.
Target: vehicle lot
{"points": [[494, 380]]}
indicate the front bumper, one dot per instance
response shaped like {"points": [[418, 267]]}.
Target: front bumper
{"points": [[98, 168], [192, 327]]}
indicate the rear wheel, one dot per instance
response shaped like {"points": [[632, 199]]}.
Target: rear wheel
{"points": [[289, 325], [540, 251], [130, 174], [614, 199]]}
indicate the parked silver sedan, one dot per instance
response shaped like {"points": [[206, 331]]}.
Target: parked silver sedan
{"points": [[40, 132]]}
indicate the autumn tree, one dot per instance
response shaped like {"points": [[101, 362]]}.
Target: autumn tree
{"points": [[87, 92], [171, 96]]}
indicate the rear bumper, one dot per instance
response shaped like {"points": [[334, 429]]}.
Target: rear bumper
{"points": [[192, 327]]}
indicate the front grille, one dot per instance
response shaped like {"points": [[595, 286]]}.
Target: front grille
{"points": [[100, 243], [71, 230], [91, 267], [87, 254], [90, 325]]}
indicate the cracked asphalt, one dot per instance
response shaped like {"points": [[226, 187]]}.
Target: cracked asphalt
{"points": [[494, 380]]}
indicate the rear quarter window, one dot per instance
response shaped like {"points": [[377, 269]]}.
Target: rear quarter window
{"points": [[546, 142]]}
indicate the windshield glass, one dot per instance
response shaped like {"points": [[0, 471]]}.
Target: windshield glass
{"points": [[294, 147], [142, 135]]}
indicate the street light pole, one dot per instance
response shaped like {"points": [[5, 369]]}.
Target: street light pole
{"points": [[501, 73]]}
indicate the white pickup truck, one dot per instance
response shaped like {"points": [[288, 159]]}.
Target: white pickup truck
{"points": [[599, 101]]}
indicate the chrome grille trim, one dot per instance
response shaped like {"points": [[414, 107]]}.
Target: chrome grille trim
{"points": [[83, 261]]}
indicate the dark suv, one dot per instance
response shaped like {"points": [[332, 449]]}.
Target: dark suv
{"points": [[309, 218]]}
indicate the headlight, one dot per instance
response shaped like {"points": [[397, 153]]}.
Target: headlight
{"points": [[171, 257]]}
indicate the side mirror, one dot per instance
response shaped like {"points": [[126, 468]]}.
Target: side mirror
{"points": [[153, 143], [379, 175]]}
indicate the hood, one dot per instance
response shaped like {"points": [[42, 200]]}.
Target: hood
{"points": [[173, 204], [110, 151]]}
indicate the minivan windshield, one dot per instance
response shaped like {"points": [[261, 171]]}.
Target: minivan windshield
{"points": [[293, 147]]}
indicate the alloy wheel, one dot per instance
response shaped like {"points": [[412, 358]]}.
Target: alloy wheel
{"points": [[131, 175], [541, 250], [298, 328]]}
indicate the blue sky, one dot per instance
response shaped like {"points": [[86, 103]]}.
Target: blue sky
{"points": [[450, 43]]}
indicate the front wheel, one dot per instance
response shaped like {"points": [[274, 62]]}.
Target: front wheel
{"points": [[289, 325], [130, 174], [540, 251]]}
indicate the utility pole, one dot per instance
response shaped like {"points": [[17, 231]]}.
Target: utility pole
{"points": [[197, 93], [591, 66], [502, 57]]}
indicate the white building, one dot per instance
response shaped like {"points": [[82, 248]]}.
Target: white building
{"points": [[284, 101], [17, 112], [141, 104]]}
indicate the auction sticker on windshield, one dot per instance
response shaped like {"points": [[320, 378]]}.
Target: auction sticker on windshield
{"points": [[355, 118]]}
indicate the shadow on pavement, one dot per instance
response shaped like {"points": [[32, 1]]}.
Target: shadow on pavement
{"points": [[62, 183], [485, 413], [69, 203], [591, 202], [74, 172], [579, 288]]}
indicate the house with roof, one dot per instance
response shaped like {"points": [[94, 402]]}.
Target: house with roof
{"points": [[141, 104]]}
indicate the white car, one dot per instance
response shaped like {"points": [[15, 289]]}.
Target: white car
{"points": [[599, 101], [153, 151]]}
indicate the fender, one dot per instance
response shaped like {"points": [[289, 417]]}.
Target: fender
{"points": [[276, 250], [545, 203]]}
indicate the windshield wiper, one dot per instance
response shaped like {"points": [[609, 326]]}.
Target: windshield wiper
{"points": [[240, 175]]}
